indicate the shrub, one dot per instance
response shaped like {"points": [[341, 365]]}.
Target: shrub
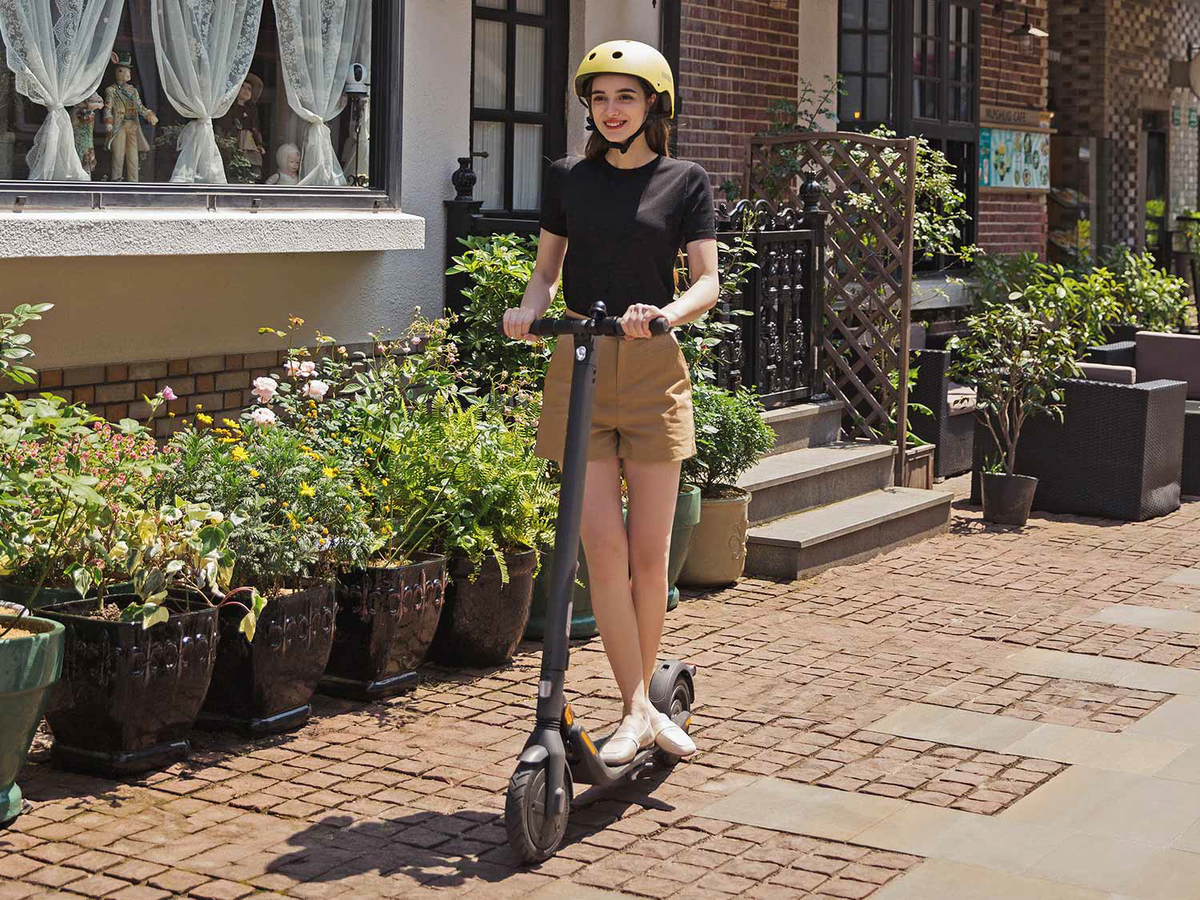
{"points": [[731, 436]]}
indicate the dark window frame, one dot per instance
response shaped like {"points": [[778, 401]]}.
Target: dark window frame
{"points": [[387, 99], [553, 120], [864, 36]]}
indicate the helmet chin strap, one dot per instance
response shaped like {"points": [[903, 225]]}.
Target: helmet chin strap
{"points": [[625, 144]]}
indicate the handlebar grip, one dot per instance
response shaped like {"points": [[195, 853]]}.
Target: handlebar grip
{"points": [[554, 327], [659, 325]]}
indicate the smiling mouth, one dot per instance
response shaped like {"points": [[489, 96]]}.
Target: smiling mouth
{"points": [[613, 125]]}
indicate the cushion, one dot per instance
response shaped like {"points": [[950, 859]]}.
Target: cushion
{"points": [[917, 337], [1115, 374], [1175, 357], [960, 398]]}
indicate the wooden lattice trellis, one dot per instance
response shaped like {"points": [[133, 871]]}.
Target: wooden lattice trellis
{"points": [[869, 198]]}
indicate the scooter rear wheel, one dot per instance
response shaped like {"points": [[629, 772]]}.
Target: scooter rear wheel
{"points": [[530, 835], [679, 705]]}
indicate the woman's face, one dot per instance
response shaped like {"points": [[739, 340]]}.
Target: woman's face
{"points": [[245, 93], [619, 105]]}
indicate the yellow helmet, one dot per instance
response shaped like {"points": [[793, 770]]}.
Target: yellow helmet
{"points": [[629, 58]]}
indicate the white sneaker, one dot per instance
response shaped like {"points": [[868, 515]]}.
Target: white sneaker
{"points": [[670, 737]]}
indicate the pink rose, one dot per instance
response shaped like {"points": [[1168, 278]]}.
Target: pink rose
{"points": [[263, 416], [292, 368], [307, 368], [316, 390], [264, 388], [167, 394]]}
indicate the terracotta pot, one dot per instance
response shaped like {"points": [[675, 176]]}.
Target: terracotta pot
{"points": [[717, 555], [583, 620], [485, 618], [264, 686], [129, 695], [386, 619], [1007, 499], [29, 665]]}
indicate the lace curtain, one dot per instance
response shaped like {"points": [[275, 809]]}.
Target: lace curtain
{"points": [[58, 51], [204, 49], [317, 42]]}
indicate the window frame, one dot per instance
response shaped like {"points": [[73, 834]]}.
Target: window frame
{"points": [[553, 120], [942, 128], [387, 118], [864, 35]]}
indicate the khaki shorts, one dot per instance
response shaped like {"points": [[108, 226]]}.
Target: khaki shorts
{"points": [[643, 404]]}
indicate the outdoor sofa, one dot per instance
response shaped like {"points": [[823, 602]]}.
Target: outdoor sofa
{"points": [[950, 428], [1117, 453], [1152, 355]]}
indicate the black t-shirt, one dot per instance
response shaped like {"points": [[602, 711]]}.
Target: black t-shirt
{"points": [[625, 227]]}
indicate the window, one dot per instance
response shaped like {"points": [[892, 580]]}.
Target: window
{"points": [[519, 64], [239, 103], [865, 63]]}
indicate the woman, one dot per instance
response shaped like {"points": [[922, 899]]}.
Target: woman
{"points": [[619, 215]]}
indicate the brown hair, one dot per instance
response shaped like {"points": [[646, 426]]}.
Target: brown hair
{"points": [[657, 133]]}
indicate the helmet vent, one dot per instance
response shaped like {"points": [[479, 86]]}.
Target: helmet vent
{"points": [[618, 54], [593, 56]]}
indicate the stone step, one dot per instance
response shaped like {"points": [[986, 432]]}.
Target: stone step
{"points": [[795, 480], [805, 425], [850, 531]]}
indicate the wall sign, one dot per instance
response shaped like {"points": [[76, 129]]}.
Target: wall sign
{"points": [[1013, 117], [1016, 160]]}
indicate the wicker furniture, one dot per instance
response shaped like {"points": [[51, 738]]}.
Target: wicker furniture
{"points": [[1118, 453], [1155, 355], [951, 427], [1190, 484]]}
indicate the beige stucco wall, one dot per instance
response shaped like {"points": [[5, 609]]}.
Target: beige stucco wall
{"points": [[148, 308], [818, 46]]}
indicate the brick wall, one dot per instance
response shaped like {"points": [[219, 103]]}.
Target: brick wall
{"points": [[1012, 221], [218, 386], [735, 56]]}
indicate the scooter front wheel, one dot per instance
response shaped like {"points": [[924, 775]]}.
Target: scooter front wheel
{"points": [[533, 834]]}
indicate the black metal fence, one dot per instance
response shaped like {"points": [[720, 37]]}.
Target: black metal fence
{"points": [[778, 346]]}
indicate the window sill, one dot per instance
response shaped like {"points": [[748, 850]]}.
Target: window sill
{"points": [[199, 232]]}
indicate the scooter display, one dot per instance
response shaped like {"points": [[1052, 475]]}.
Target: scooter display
{"points": [[559, 753]]}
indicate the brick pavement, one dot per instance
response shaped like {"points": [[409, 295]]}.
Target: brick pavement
{"points": [[403, 799]]}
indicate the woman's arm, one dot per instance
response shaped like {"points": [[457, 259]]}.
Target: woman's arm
{"points": [[543, 285], [706, 285]]}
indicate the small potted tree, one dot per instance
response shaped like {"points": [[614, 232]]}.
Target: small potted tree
{"points": [[731, 436], [1017, 363]]}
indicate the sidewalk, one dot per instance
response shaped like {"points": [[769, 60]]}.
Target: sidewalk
{"points": [[987, 714]]}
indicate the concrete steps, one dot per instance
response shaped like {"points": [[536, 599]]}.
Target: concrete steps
{"points": [[794, 480], [846, 532], [806, 425]]}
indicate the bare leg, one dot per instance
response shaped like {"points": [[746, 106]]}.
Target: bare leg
{"points": [[607, 548], [653, 491]]}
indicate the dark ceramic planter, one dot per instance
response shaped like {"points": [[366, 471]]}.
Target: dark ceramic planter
{"points": [[583, 620], [28, 667], [129, 695], [1007, 499], [485, 618], [19, 594], [264, 686], [386, 619]]}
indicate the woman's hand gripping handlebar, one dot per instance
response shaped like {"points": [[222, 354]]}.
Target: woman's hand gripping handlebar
{"points": [[517, 321]]}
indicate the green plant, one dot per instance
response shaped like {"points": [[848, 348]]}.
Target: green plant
{"points": [[498, 268], [1150, 297], [300, 512], [238, 167], [890, 424], [1016, 361], [14, 346], [731, 436]]}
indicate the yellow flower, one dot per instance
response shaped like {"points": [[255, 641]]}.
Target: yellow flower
{"points": [[199, 406], [329, 472], [383, 481], [309, 520], [170, 415], [229, 423], [239, 454], [285, 504], [253, 472], [202, 418], [306, 490]]}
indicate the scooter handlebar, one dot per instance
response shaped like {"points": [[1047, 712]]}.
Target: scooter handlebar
{"points": [[610, 327]]}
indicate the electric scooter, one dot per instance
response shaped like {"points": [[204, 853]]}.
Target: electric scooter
{"points": [[560, 753]]}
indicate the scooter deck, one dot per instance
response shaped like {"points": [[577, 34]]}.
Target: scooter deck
{"points": [[583, 754]]}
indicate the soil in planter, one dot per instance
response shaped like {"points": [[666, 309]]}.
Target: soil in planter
{"points": [[8, 634]]}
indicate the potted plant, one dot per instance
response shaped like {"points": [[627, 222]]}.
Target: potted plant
{"points": [[1017, 361], [31, 651], [373, 408], [300, 518], [731, 436], [500, 511]]}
